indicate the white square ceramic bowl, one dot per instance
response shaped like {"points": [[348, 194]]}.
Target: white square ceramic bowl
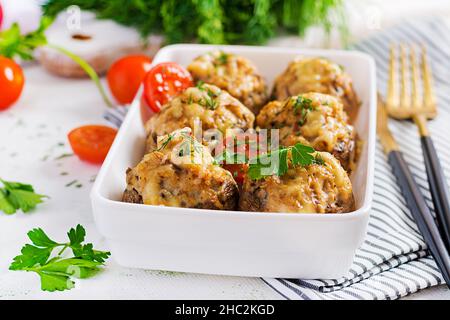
{"points": [[237, 243]]}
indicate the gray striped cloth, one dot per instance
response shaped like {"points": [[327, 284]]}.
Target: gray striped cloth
{"points": [[393, 261]]}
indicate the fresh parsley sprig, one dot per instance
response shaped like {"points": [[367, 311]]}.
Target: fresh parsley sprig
{"points": [[13, 43], [303, 106], [57, 272], [16, 195], [277, 161], [214, 21]]}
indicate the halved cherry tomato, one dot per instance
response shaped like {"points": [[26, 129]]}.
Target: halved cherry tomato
{"points": [[91, 143], [126, 75], [163, 82], [239, 145], [11, 82], [237, 170]]}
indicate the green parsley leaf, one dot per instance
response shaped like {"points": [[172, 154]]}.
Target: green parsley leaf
{"points": [[269, 164], [16, 195], [302, 155], [230, 157], [56, 272], [76, 267], [87, 252], [76, 236], [13, 43], [24, 200], [5, 205], [55, 282], [276, 162], [40, 238], [31, 255]]}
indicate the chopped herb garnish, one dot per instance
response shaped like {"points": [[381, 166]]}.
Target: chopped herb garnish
{"points": [[303, 106], [16, 195], [190, 141], [64, 155], [208, 101], [223, 57], [200, 84], [165, 142], [300, 155], [71, 183], [56, 272]]}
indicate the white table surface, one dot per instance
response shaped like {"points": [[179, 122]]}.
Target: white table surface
{"points": [[30, 136]]}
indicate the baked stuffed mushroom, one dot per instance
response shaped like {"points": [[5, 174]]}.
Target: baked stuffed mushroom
{"points": [[314, 119], [316, 188], [317, 75], [206, 106], [233, 73], [181, 173]]}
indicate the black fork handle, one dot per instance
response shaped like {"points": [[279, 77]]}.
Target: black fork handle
{"points": [[438, 187], [421, 213]]}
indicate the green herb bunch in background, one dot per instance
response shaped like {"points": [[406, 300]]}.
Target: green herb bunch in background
{"points": [[213, 21]]}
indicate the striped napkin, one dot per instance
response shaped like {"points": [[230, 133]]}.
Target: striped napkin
{"points": [[393, 261]]}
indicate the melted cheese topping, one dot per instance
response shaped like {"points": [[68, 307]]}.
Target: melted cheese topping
{"points": [[235, 74], [164, 177], [317, 75], [324, 127], [312, 189], [207, 107]]}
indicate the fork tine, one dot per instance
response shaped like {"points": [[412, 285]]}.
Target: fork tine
{"points": [[415, 97], [404, 97], [428, 91], [392, 92]]}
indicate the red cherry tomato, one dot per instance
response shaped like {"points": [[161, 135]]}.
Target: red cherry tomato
{"points": [[163, 82], [11, 82], [1, 16], [91, 143], [237, 170], [126, 75], [240, 146]]}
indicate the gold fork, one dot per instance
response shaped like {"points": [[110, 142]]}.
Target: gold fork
{"points": [[411, 192], [401, 104]]}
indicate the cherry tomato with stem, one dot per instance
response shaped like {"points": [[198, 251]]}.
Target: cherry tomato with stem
{"points": [[163, 82], [125, 76], [11, 82], [91, 143]]}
